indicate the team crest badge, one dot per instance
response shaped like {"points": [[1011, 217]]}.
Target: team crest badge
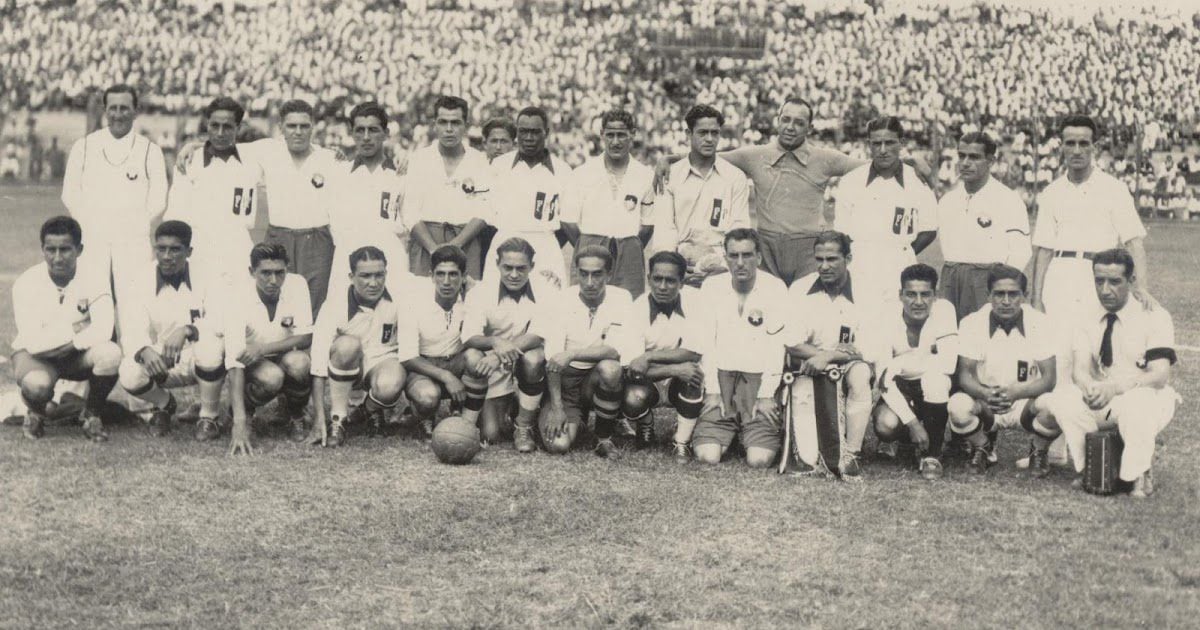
{"points": [[131, 176], [318, 180], [82, 306], [468, 185], [1141, 363], [984, 221], [1022, 371], [389, 331], [755, 317], [630, 203], [287, 322]]}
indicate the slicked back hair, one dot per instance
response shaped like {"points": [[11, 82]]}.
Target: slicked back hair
{"points": [[1001, 271], [59, 225], [670, 258], [833, 236], [921, 272], [699, 112], [446, 101], [594, 251], [742, 234], [177, 229], [224, 104], [451, 254], [267, 251], [297, 106], [120, 88], [366, 253], [982, 139], [1115, 256]]}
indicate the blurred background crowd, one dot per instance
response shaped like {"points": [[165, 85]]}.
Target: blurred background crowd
{"points": [[1012, 69]]}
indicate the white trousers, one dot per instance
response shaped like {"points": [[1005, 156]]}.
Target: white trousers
{"points": [[1140, 414]]}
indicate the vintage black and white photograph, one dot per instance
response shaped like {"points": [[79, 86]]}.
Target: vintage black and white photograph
{"points": [[599, 313]]}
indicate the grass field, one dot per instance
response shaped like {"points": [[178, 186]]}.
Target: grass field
{"points": [[167, 533]]}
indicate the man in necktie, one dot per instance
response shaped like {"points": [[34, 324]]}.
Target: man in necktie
{"points": [[1122, 358]]}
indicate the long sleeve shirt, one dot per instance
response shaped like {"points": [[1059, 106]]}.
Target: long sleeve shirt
{"points": [[748, 332], [115, 187], [47, 315]]}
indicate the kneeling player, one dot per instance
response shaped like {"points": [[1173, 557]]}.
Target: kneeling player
{"points": [[828, 324], [593, 335], [440, 370], [504, 333], [920, 349], [64, 320], [670, 366], [359, 342], [1006, 367], [275, 312], [743, 320], [173, 333]]}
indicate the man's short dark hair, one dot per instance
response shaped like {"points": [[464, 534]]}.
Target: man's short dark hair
{"points": [[370, 109], [366, 253], [120, 88], [267, 251], [176, 229], [1115, 256], [499, 123], [742, 234], [668, 257], [446, 101], [1079, 120], [920, 272], [451, 254], [224, 104], [698, 112], [515, 244], [1000, 272], [889, 123], [296, 106], [594, 251], [833, 236], [796, 100], [982, 139], [536, 111], [618, 116], [60, 225]]}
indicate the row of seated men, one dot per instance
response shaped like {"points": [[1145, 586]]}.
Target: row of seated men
{"points": [[583, 361]]}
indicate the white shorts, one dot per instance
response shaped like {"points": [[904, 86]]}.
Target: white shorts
{"points": [[133, 377]]}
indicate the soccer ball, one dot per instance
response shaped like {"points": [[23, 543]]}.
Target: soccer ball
{"points": [[455, 441]]}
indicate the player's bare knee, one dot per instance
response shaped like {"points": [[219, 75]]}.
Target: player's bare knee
{"points": [[708, 454], [425, 396], [106, 358], [472, 358], [887, 423], [345, 351], [962, 410], [266, 380], [609, 374], [935, 387], [37, 386], [387, 383], [132, 377], [858, 381], [759, 457], [531, 367], [638, 399], [296, 365]]}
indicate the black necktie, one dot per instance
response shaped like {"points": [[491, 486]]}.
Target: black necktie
{"points": [[1106, 357]]}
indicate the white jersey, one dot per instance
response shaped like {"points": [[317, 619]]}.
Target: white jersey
{"points": [[380, 329], [297, 189], [115, 187], [217, 199], [1006, 354], [747, 332], [159, 307], [292, 316], [439, 330], [48, 315], [605, 205], [611, 323], [431, 194]]}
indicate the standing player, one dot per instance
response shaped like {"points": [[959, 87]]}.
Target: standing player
{"points": [[982, 223], [919, 339], [1081, 213], [595, 335], [440, 370], [1123, 353], [887, 211], [499, 137], [1006, 369], [116, 187], [505, 331], [670, 367], [531, 187], [173, 333], [829, 327], [614, 203], [275, 318], [216, 195], [706, 198], [446, 191], [360, 342], [364, 199], [744, 317], [64, 317]]}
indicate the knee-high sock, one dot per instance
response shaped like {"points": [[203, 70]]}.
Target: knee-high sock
{"points": [[607, 405], [209, 383], [858, 417], [935, 416], [340, 386], [99, 388], [476, 395], [529, 398], [156, 396]]}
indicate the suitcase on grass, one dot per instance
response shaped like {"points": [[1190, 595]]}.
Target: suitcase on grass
{"points": [[1102, 461]]}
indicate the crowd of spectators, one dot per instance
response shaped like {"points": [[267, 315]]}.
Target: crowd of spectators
{"points": [[1010, 70]]}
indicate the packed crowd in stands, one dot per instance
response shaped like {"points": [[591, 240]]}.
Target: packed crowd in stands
{"points": [[1011, 71]]}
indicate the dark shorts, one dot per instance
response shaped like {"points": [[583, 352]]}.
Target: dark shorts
{"points": [[739, 391], [576, 394], [456, 364], [787, 256], [965, 285], [419, 260], [71, 367], [629, 261], [310, 254]]}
